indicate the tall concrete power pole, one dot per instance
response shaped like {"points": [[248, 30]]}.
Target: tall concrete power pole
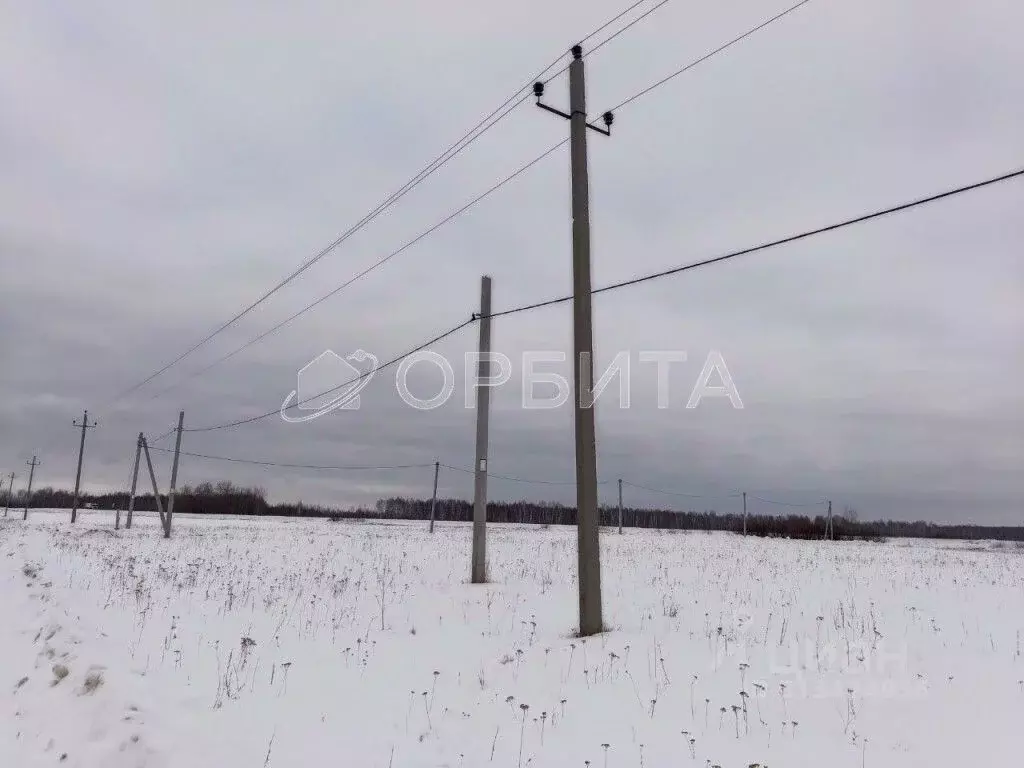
{"points": [[174, 477], [28, 491], [483, 407], [81, 452], [433, 499], [587, 521], [620, 505], [10, 494]]}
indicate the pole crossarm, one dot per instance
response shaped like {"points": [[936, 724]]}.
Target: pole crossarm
{"points": [[607, 117]]}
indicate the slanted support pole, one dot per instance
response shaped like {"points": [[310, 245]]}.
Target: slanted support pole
{"points": [[135, 484], [152, 477]]}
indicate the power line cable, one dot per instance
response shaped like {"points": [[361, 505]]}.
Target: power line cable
{"points": [[615, 18], [428, 232], [773, 243], [432, 229], [387, 258], [468, 138], [786, 503], [283, 465], [708, 55], [464, 141], [398, 358], [721, 496], [168, 433], [677, 493], [607, 40], [527, 480], [631, 24], [380, 262], [646, 278], [307, 264]]}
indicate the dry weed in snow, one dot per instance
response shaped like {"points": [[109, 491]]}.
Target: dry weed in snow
{"points": [[270, 642]]}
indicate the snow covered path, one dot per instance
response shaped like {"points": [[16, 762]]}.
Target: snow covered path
{"points": [[300, 643]]}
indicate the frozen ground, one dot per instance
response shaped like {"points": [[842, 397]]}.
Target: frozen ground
{"points": [[311, 643]]}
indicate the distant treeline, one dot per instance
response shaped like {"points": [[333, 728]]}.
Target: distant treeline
{"points": [[224, 498], [221, 498], [791, 526]]}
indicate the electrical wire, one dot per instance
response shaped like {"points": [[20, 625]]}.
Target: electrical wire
{"points": [[772, 243], [529, 481], [387, 258], [380, 262], [635, 21], [519, 479], [488, 122], [293, 466], [168, 433], [310, 262], [607, 40], [646, 278], [720, 496], [444, 221], [398, 358], [482, 126], [708, 55], [786, 503], [615, 18], [676, 493]]}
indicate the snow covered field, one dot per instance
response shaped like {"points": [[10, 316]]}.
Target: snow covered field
{"points": [[309, 643]]}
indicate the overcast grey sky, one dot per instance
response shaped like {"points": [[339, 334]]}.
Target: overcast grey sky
{"points": [[163, 165]]}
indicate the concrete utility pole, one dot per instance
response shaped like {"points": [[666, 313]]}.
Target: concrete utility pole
{"points": [[28, 492], [174, 477], [433, 499], [744, 513], [152, 478], [483, 408], [135, 485], [10, 493], [81, 452], [620, 505], [587, 514]]}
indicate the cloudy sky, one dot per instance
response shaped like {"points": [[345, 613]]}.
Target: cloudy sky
{"points": [[162, 166]]}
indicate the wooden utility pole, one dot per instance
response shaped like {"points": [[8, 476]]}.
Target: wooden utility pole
{"points": [[10, 493], [483, 407], [174, 477], [28, 492], [587, 514], [829, 532], [433, 499], [744, 513], [81, 452], [620, 505], [135, 485]]}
